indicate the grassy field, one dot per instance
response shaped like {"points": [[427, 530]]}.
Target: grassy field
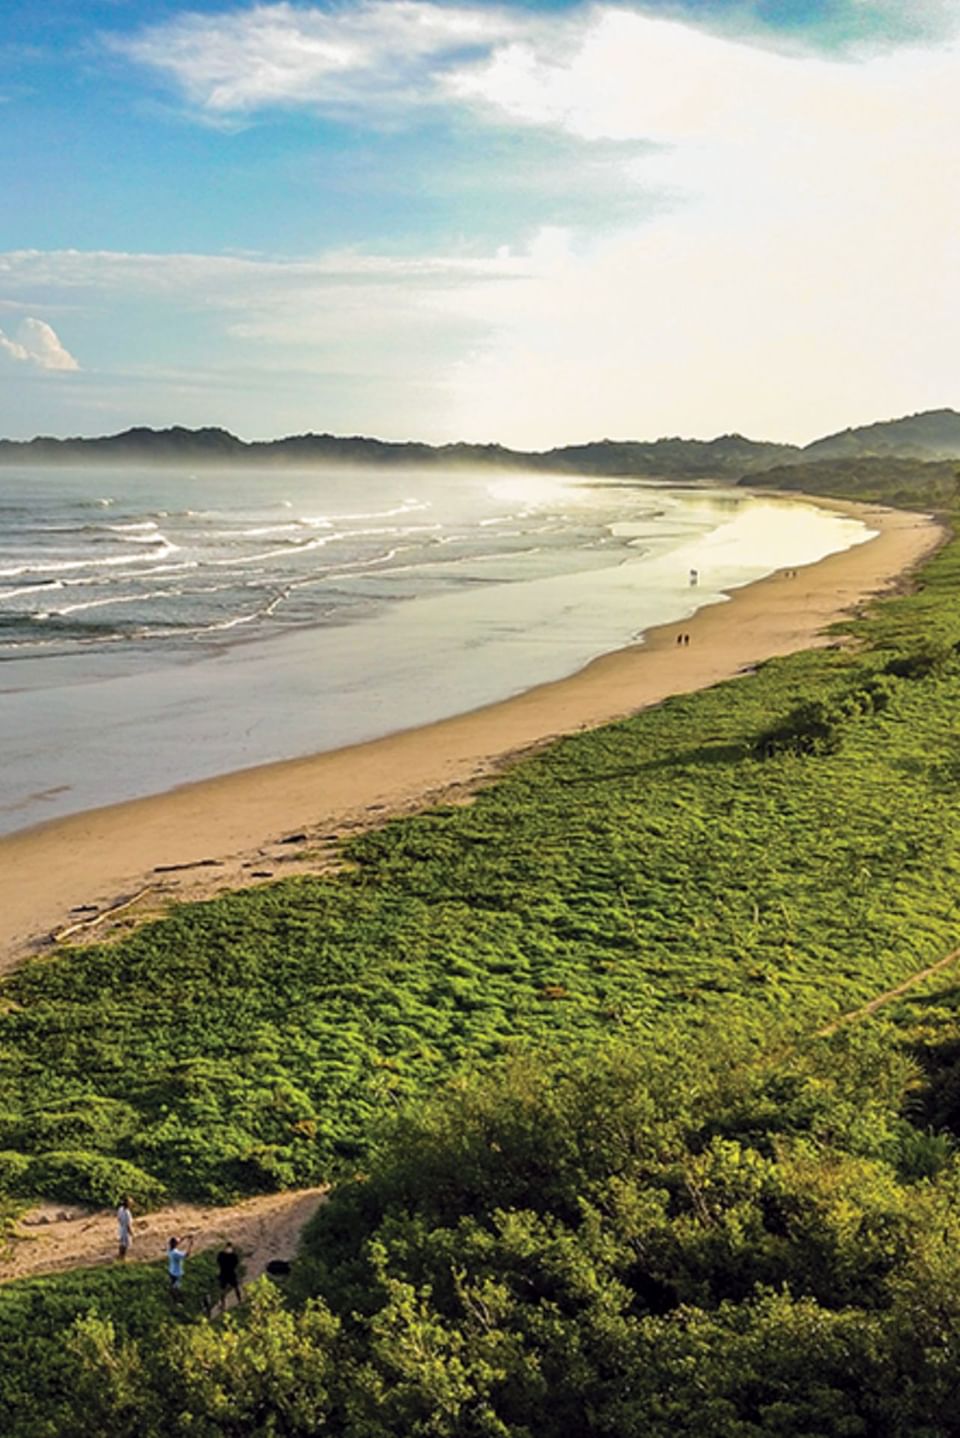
{"points": [[657, 871]]}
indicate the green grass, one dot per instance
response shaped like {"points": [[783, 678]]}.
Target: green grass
{"points": [[643, 879]]}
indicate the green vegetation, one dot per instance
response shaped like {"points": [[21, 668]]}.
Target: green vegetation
{"points": [[610, 1184], [45, 1324], [697, 1241], [887, 479]]}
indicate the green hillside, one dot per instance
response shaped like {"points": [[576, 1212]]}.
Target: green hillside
{"points": [[904, 483]]}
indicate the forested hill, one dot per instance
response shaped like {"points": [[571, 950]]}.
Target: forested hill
{"points": [[931, 484], [730, 455], [934, 435]]}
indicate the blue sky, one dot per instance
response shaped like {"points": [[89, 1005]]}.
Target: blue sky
{"points": [[530, 222]]}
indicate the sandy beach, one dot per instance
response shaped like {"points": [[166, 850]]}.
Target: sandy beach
{"points": [[267, 822]]}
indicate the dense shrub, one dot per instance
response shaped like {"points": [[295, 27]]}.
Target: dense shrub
{"points": [[817, 725], [925, 660], [573, 1248], [92, 1178]]}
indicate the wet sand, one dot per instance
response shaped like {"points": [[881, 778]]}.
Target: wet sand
{"points": [[276, 819]]}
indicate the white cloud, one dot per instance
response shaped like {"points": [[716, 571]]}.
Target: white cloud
{"points": [[805, 275], [222, 277], [379, 52], [370, 311], [385, 55], [38, 346]]}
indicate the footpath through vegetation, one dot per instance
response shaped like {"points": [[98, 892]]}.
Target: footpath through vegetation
{"points": [[593, 1173], [52, 1239]]}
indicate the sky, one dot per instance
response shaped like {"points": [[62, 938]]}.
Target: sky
{"points": [[533, 223]]}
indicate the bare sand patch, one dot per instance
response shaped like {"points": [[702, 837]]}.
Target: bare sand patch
{"points": [[54, 1237]]}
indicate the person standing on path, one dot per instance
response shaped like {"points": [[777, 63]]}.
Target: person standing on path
{"points": [[228, 1274], [124, 1227], [176, 1257]]}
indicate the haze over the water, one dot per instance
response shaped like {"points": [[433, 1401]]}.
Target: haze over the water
{"points": [[533, 222]]}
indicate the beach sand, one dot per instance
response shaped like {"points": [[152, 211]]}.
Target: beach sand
{"points": [[278, 819]]}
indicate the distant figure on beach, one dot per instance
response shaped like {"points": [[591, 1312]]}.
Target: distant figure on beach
{"points": [[694, 576], [228, 1273], [679, 638], [124, 1227], [176, 1256], [686, 639]]}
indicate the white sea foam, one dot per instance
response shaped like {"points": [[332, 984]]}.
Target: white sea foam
{"points": [[62, 566], [318, 542], [110, 601], [32, 589], [408, 506]]}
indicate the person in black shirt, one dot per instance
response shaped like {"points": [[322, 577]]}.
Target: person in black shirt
{"points": [[228, 1273]]}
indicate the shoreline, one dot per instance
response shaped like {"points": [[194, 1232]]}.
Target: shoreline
{"points": [[268, 822]]}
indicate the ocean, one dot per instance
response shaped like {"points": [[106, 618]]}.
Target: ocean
{"points": [[159, 626]]}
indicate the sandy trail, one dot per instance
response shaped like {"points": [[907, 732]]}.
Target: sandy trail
{"points": [[52, 1237], [263, 823], [865, 1010]]}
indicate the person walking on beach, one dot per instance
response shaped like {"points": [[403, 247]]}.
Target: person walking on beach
{"points": [[124, 1227], [228, 1274], [176, 1257]]}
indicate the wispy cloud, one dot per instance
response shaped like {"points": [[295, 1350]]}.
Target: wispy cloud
{"points": [[381, 56], [220, 276], [340, 308], [37, 346], [379, 52]]}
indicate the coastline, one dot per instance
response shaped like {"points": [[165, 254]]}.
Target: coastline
{"points": [[267, 822]]}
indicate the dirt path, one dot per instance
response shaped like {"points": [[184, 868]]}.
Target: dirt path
{"points": [[52, 1238], [886, 998]]}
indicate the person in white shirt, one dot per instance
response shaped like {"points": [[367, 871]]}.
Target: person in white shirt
{"points": [[124, 1227]]}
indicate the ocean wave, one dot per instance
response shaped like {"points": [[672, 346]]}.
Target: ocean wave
{"points": [[408, 506], [112, 599], [61, 566], [44, 587], [318, 542], [257, 531]]}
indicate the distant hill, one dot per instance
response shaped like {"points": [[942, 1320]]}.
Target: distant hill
{"points": [[729, 456], [934, 435], [902, 482]]}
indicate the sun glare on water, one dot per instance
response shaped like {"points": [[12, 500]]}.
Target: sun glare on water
{"points": [[529, 489]]}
